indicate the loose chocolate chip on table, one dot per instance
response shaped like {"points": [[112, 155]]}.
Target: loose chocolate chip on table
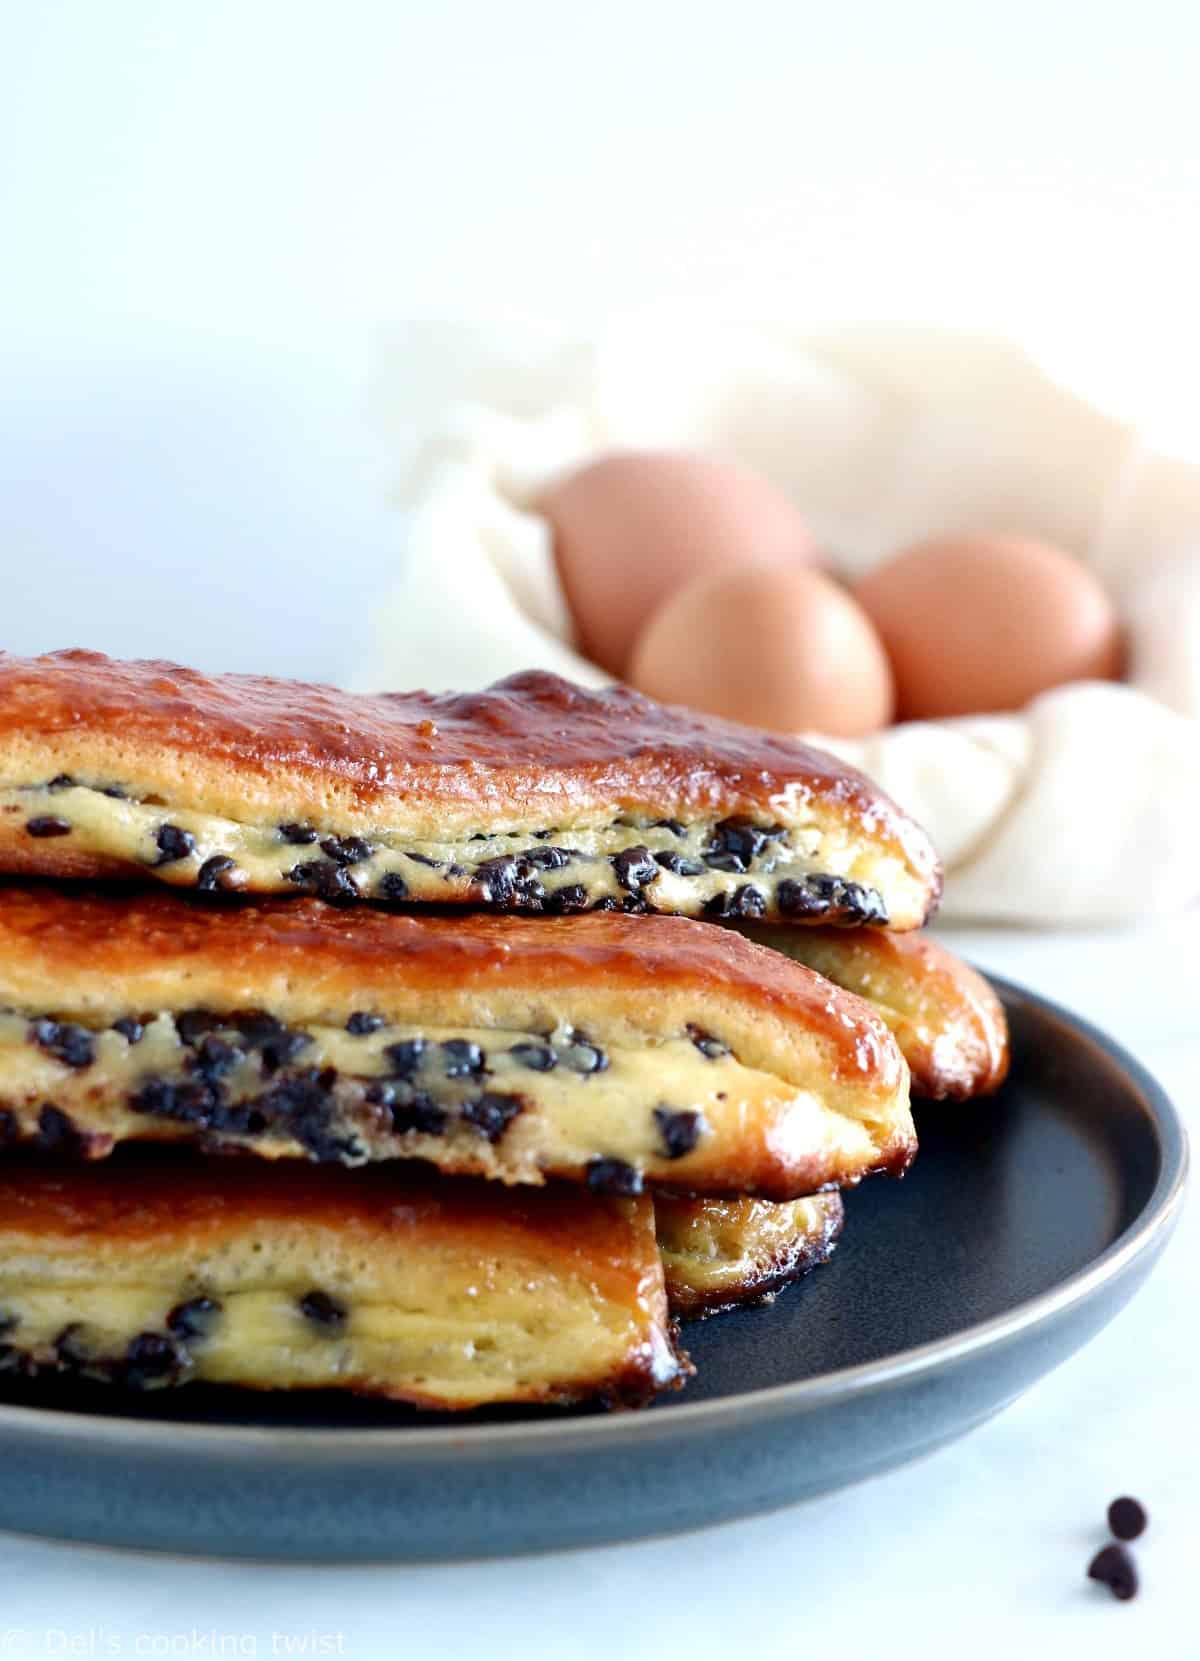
{"points": [[1113, 1567], [463, 1058], [322, 1310], [491, 1114], [708, 1046], [173, 844], [585, 1058], [539, 1058], [572, 897], [392, 886], [405, 1057], [213, 875], [193, 1319], [299, 835], [1127, 1518], [679, 1129], [72, 1045], [131, 1031], [363, 1022], [152, 1359], [678, 866], [347, 850], [634, 868], [47, 824], [613, 1176]]}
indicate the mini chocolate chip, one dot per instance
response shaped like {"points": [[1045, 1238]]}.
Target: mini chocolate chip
{"points": [[305, 1108], [1126, 1517], [392, 886], [463, 1058], [130, 1030], [746, 901], [47, 824], [675, 826], [613, 1176], [417, 1111], [820, 894], [363, 1022], [213, 875], [72, 1045], [326, 879], [69, 1348], [423, 859], [115, 791], [8, 1322], [678, 866], [509, 881], [551, 858], [708, 1046], [347, 850], [193, 1319], [405, 1057], [680, 1129], [634, 868], [57, 1133], [214, 1057], [152, 1360], [492, 1114], [173, 844], [8, 1127], [277, 1044], [539, 1058], [736, 843], [192, 1024], [585, 1058], [61, 781], [1114, 1567], [322, 1310], [572, 897], [301, 836]]}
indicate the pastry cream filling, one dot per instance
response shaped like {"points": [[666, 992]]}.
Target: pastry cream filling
{"points": [[684, 866], [502, 1103]]}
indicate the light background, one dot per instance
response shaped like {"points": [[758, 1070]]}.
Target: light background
{"points": [[207, 211]]}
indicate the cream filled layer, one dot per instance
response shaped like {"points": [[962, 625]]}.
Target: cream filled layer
{"points": [[728, 868]]}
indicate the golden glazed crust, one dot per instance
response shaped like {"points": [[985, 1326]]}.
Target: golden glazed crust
{"points": [[230, 760], [948, 1022], [613, 1050], [147, 1272], [720, 1254]]}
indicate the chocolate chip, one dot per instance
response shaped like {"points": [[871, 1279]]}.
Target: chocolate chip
{"points": [[509, 881], [47, 824], [736, 843], [61, 781], [363, 1022], [152, 1360], [820, 894], [304, 1107], [72, 1045], [57, 1133], [214, 1057], [678, 866], [115, 791], [634, 868], [13, 1361], [277, 1044], [392, 886], [301, 836], [585, 1058], [675, 826], [551, 858], [572, 897], [194, 1319], [492, 1114], [9, 1129], [463, 1058], [1114, 1567], [417, 1111], [708, 1046], [1126, 1517], [613, 1176], [405, 1057], [132, 1031], [173, 844], [347, 850], [322, 1310], [213, 875], [679, 1128], [746, 901], [539, 1058], [423, 859], [192, 1024], [8, 1322], [69, 1348], [326, 879]]}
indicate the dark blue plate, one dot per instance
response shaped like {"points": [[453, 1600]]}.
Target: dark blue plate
{"points": [[1025, 1225]]}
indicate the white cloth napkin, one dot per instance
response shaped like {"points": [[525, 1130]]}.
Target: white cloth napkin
{"points": [[1082, 808]]}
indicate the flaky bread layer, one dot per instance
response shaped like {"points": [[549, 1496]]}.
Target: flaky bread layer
{"points": [[722, 1067], [532, 756], [950, 1025], [149, 1273], [720, 1254]]}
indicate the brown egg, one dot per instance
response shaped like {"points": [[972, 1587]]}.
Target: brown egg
{"points": [[632, 527], [780, 648], [979, 623]]}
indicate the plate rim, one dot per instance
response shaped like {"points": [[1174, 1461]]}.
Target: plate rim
{"points": [[418, 1444]]}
